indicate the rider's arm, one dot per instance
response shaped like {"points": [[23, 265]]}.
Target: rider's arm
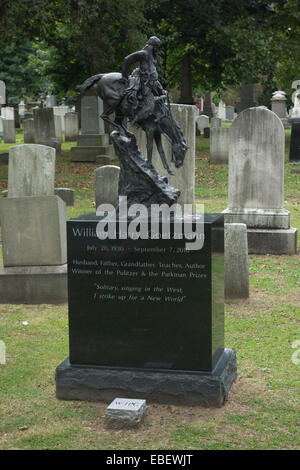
{"points": [[131, 59]]}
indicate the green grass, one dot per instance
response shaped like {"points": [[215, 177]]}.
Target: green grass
{"points": [[263, 407]]}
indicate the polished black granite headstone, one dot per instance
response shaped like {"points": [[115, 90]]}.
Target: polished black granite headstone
{"points": [[144, 303], [148, 308], [295, 141]]}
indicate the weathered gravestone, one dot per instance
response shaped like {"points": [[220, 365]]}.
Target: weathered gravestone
{"points": [[295, 141], [28, 126], [33, 223], [106, 185], [2, 93], [229, 113], [222, 111], [124, 412], [9, 131], [92, 142], [1, 127], [215, 122], [219, 144], [8, 113], [61, 111], [67, 195], [71, 127], [44, 128], [31, 171], [184, 178], [58, 128], [256, 182], [236, 261], [202, 122]]}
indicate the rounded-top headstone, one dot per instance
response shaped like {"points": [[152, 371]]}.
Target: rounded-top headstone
{"points": [[31, 170], [106, 185], [256, 160]]}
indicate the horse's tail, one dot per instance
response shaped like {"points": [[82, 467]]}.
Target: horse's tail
{"points": [[90, 82]]}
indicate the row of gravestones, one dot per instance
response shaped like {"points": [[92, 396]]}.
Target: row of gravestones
{"points": [[41, 126], [256, 167]]}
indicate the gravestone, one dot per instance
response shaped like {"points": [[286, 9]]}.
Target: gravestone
{"points": [[215, 122], [202, 122], [33, 223], [222, 111], [146, 317], [294, 155], [219, 144], [61, 111], [125, 412], [236, 261], [92, 141], [2, 93], [67, 195], [21, 108], [44, 128], [17, 117], [278, 106], [229, 113], [184, 178], [58, 128], [9, 131], [28, 126], [31, 171], [71, 127], [208, 107], [106, 185], [8, 113], [1, 127], [296, 100], [256, 167]]}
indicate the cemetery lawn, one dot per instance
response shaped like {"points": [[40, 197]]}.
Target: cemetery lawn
{"points": [[262, 411]]}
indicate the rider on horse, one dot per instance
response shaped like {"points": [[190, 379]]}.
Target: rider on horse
{"points": [[145, 91]]}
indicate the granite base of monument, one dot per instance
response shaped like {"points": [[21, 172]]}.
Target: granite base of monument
{"points": [[268, 231], [33, 285], [166, 386], [146, 316]]}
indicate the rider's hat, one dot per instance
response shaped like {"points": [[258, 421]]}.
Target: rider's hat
{"points": [[154, 41]]}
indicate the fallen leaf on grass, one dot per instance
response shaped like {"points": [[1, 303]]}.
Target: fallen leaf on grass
{"points": [[23, 428]]}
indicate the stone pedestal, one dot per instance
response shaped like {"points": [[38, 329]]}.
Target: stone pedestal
{"points": [[93, 142], [33, 285]]}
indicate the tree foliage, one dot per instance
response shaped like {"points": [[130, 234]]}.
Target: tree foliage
{"points": [[226, 41]]}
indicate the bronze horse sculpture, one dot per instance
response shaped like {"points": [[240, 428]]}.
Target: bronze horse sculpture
{"points": [[113, 88]]}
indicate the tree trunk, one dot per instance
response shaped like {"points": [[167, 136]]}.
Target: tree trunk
{"points": [[186, 81]]}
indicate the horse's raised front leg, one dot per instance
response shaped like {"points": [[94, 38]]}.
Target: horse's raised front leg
{"points": [[149, 136], [157, 137]]}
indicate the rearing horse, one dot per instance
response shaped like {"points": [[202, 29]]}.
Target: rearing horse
{"points": [[111, 89]]}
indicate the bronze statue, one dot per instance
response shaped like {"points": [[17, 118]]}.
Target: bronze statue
{"points": [[140, 97]]}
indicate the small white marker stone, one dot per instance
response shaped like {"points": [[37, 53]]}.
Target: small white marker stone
{"points": [[125, 411]]}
